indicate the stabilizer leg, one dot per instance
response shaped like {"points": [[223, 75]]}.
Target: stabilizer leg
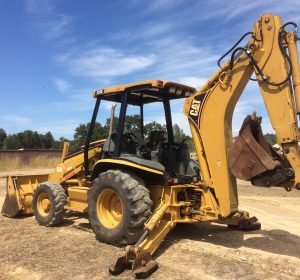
{"points": [[138, 257]]}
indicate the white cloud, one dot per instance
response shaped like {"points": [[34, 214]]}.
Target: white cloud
{"points": [[16, 119], [153, 29], [38, 6], [192, 81], [61, 84], [182, 58], [105, 62], [50, 24], [164, 4], [56, 27]]}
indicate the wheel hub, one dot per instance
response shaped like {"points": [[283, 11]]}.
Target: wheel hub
{"points": [[44, 204], [109, 208]]}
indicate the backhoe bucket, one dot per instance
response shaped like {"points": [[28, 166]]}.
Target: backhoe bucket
{"points": [[250, 154], [19, 193]]}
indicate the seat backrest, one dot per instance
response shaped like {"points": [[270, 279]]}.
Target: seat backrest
{"points": [[156, 137]]}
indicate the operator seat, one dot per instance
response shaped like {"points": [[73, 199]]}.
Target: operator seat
{"points": [[127, 146], [154, 144], [156, 137]]}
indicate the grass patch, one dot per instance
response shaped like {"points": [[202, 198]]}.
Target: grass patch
{"points": [[17, 163]]}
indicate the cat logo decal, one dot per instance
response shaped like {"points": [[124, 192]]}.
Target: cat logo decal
{"points": [[195, 108]]}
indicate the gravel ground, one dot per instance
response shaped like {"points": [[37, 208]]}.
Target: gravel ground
{"points": [[198, 251]]}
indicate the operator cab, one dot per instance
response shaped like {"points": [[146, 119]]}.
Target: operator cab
{"points": [[156, 150]]}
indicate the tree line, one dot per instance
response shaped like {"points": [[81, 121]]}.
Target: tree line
{"points": [[29, 139]]}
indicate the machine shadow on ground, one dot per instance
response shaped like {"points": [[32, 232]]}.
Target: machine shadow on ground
{"points": [[264, 240]]}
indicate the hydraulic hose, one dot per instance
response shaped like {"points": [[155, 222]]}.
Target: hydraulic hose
{"points": [[234, 50]]}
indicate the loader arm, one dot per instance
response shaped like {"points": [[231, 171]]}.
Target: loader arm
{"points": [[210, 110]]}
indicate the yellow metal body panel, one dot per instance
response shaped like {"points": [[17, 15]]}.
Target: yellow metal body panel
{"points": [[73, 166], [121, 163], [77, 199], [153, 85]]}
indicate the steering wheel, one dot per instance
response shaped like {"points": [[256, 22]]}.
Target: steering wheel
{"points": [[129, 138]]}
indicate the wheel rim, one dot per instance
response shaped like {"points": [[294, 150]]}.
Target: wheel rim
{"points": [[109, 208], [44, 204]]}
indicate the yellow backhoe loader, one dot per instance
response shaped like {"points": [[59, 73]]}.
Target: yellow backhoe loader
{"points": [[136, 190]]}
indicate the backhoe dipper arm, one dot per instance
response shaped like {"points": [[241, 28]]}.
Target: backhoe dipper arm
{"points": [[210, 110]]}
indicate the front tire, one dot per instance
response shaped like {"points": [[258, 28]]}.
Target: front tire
{"points": [[119, 205], [48, 204]]}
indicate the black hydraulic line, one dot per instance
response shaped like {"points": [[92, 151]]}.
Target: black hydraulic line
{"points": [[289, 23], [239, 49], [264, 77], [260, 72], [119, 136], [233, 47], [89, 137]]}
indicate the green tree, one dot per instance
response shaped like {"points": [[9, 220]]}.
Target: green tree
{"points": [[58, 144], [81, 132], [12, 142], [178, 133], [3, 135], [29, 139], [152, 126], [132, 124], [270, 138], [115, 123], [189, 142], [47, 140]]}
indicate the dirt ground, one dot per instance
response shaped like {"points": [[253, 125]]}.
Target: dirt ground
{"points": [[199, 251]]}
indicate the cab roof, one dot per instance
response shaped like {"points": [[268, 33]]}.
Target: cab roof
{"points": [[146, 92]]}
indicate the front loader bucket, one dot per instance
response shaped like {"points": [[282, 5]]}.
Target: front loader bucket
{"points": [[250, 154], [11, 206], [19, 193]]}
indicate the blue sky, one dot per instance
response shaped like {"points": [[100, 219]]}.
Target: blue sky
{"points": [[55, 53]]}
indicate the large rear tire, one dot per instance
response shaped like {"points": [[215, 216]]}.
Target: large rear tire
{"points": [[48, 204], [119, 205]]}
